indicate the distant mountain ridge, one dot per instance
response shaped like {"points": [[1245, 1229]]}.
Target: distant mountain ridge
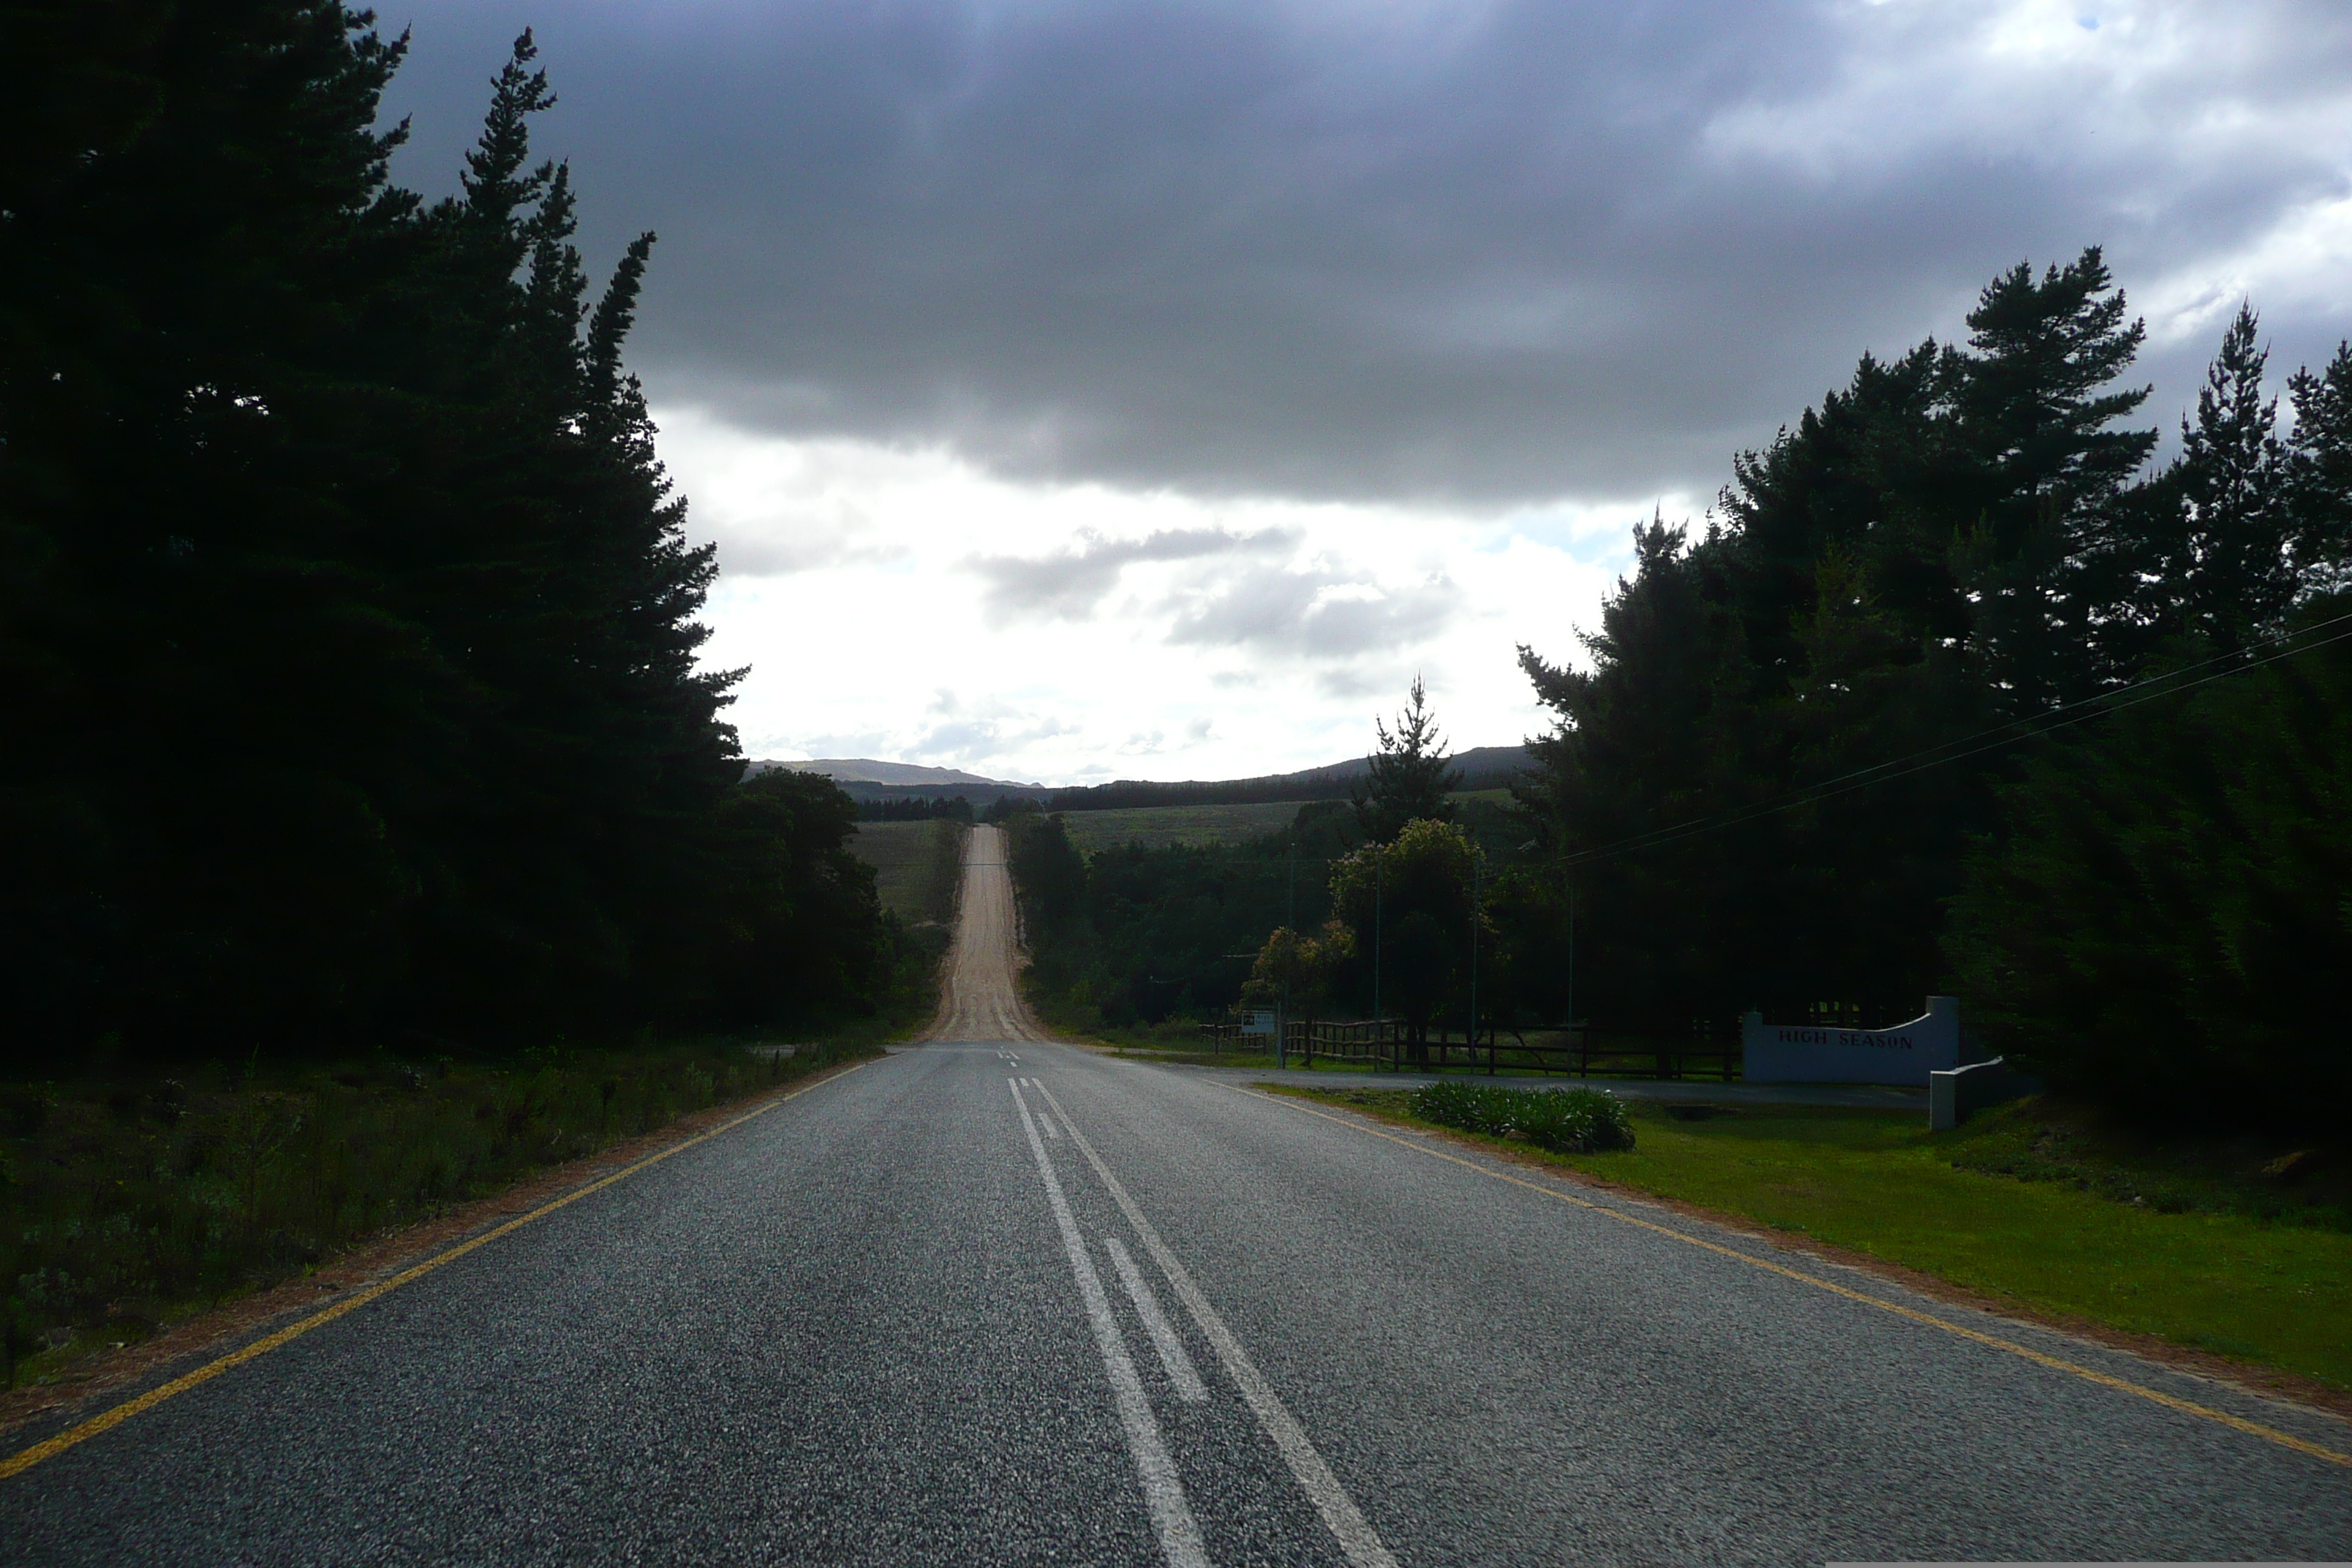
{"points": [[1482, 767], [848, 771]]}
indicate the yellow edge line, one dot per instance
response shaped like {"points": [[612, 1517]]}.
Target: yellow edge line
{"points": [[25, 1460], [2039, 1358]]}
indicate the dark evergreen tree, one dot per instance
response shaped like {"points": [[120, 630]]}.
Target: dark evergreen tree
{"points": [[2050, 550], [2161, 923], [1864, 474], [1638, 747], [1409, 777], [175, 384], [2320, 475], [2226, 571], [798, 931], [346, 620], [1951, 539]]}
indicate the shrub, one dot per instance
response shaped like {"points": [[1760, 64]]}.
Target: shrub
{"points": [[1567, 1120]]}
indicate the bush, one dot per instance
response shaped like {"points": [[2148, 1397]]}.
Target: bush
{"points": [[1566, 1121]]}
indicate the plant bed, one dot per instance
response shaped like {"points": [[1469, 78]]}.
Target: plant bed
{"points": [[1564, 1120]]}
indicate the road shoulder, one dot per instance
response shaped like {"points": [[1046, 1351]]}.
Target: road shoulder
{"points": [[2250, 1377], [32, 1413]]}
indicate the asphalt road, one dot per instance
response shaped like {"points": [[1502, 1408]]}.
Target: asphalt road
{"points": [[998, 1300]]}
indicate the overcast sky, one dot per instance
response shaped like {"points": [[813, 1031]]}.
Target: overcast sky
{"points": [[1084, 390]]}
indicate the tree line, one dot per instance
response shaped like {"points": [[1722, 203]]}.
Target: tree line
{"points": [[917, 809], [1366, 900], [1956, 690], [347, 619], [1853, 740]]}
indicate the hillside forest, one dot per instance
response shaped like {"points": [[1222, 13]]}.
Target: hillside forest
{"points": [[347, 621], [1959, 690]]}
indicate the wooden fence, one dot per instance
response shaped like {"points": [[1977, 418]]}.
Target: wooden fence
{"points": [[1581, 1053]]}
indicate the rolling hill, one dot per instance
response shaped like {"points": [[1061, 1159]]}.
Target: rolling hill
{"points": [[1482, 767]]}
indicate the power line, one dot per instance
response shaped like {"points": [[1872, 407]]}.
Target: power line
{"points": [[2081, 710]]}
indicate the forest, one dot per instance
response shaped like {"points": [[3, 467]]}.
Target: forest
{"points": [[348, 626], [1959, 690], [1962, 690]]}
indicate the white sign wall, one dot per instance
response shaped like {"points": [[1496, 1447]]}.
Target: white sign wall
{"points": [[1903, 1055]]}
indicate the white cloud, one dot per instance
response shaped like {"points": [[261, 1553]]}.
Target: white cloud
{"points": [[1223, 640], [2303, 265], [1035, 310]]}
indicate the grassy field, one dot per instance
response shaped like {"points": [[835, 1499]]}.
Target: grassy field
{"points": [[2220, 1261], [906, 858], [1157, 825]]}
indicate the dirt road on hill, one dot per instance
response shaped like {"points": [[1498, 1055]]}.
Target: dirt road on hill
{"points": [[980, 1002]]}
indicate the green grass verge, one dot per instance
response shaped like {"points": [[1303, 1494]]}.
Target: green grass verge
{"points": [[2076, 1236]]}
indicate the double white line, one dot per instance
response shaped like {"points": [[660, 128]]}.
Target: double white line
{"points": [[1163, 1492]]}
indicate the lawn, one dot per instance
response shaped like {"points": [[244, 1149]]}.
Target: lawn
{"points": [[2213, 1273]]}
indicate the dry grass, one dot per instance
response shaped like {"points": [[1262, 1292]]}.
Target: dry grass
{"points": [[902, 855], [1156, 826]]}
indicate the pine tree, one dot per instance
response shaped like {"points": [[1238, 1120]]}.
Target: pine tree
{"points": [[2227, 575], [2319, 476], [1864, 474], [1650, 736], [175, 383], [2050, 550], [347, 620], [1408, 779], [2161, 923]]}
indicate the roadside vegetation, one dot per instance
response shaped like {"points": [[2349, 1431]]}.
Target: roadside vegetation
{"points": [[1963, 691], [129, 1200], [1564, 1120], [1960, 691], [349, 626], [369, 832], [1139, 943], [2058, 1207]]}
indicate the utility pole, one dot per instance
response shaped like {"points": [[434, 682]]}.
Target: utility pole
{"points": [[1290, 959], [1477, 866], [1571, 960], [1380, 1026]]}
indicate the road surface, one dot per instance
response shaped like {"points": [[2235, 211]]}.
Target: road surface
{"points": [[998, 1300]]}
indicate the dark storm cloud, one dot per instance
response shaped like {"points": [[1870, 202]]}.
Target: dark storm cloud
{"points": [[1481, 251]]}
